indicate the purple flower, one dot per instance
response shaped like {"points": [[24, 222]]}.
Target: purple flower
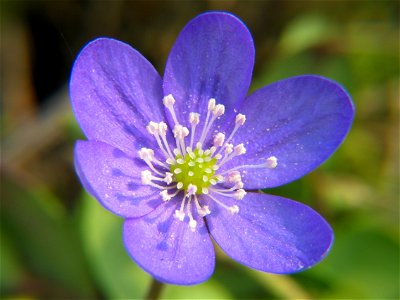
{"points": [[181, 158]]}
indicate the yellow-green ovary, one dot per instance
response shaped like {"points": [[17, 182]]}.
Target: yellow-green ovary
{"points": [[196, 169]]}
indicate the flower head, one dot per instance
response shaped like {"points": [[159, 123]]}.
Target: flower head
{"points": [[181, 158]]}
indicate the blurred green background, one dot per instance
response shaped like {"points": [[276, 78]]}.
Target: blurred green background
{"points": [[58, 243]]}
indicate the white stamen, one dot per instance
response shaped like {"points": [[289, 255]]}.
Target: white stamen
{"points": [[152, 128], [238, 185], [219, 139], [239, 194], [234, 177], [211, 104], [192, 189], [272, 162], [194, 118], [146, 154], [179, 185], [234, 209], [180, 215], [204, 211], [228, 149], [218, 110], [240, 119], [146, 176], [169, 101], [240, 149], [168, 177], [165, 196], [162, 129], [192, 225], [178, 171]]}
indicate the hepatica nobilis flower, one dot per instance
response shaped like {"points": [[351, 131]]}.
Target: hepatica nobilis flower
{"points": [[182, 157]]}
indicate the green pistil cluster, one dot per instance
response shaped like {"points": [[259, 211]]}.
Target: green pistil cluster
{"points": [[196, 168]]}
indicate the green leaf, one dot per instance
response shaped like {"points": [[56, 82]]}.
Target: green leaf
{"points": [[46, 239], [115, 272]]}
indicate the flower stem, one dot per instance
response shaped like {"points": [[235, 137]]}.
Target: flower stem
{"points": [[154, 291]]}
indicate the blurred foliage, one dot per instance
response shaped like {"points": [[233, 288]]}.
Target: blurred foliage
{"points": [[58, 242]]}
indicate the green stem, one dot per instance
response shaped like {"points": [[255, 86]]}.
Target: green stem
{"points": [[155, 290]]}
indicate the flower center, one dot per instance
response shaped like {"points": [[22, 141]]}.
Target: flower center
{"points": [[191, 174], [196, 168]]}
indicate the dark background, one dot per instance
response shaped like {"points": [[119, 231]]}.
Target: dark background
{"points": [[57, 242]]}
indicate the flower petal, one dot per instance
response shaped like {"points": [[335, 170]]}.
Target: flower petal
{"points": [[301, 121], [213, 57], [115, 93], [167, 249], [114, 178], [271, 234]]}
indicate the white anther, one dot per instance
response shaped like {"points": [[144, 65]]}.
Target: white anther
{"points": [[178, 171], [240, 149], [199, 160], [211, 104], [168, 177], [219, 139], [228, 149], [208, 170], [233, 209], [180, 132], [205, 178], [152, 128], [272, 162], [213, 181], [180, 161], [146, 177], [204, 211], [218, 110], [240, 119], [179, 185], [169, 100], [239, 194], [180, 215], [191, 163], [194, 118], [192, 189], [190, 173], [192, 225], [204, 190], [146, 154], [239, 185], [234, 176], [162, 128], [165, 196]]}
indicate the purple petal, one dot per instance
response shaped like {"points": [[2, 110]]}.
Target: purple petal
{"points": [[213, 57], [301, 121], [271, 234], [114, 179], [167, 249], [115, 93]]}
